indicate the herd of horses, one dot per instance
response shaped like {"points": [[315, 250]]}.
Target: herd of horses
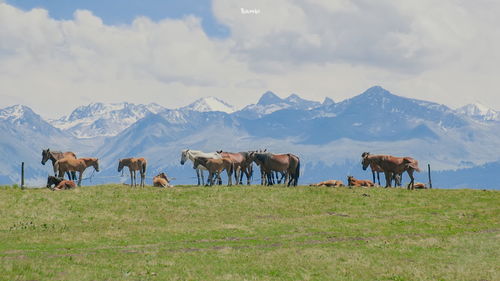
{"points": [[237, 164]]}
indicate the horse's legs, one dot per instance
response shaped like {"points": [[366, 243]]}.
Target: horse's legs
{"points": [[373, 175], [80, 178], [412, 179], [142, 178], [388, 179], [378, 178], [201, 175], [229, 178]]}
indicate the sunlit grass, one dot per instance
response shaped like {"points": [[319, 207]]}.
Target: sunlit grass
{"points": [[249, 233]]}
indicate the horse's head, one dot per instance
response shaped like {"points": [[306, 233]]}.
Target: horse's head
{"points": [[95, 164], [120, 165], [366, 160], [184, 156], [45, 155], [350, 179], [50, 180]]}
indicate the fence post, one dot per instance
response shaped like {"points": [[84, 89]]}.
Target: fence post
{"points": [[22, 175], [429, 173]]}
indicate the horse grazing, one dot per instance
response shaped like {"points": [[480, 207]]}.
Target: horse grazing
{"points": [[351, 181], [329, 183], [241, 165], [392, 166], [215, 167], [287, 163], [60, 183], [75, 165], [192, 155], [134, 165], [56, 155], [161, 180]]}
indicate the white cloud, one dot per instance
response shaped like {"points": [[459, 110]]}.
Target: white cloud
{"points": [[444, 51]]}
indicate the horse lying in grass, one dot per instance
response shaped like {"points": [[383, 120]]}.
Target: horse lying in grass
{"points": [[75, 165], [392, 165], [215, 167], [419, 185], [351, 181], [60, 183], [329, 183], [134, 165], [161, 180]]}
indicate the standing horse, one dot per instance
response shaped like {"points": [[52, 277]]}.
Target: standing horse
{"points": [[392, 166], [56, 155], [75, 165], [241, 165], [376, 170], [215, 167], [287, 163], [134, 164], [192, 155]]}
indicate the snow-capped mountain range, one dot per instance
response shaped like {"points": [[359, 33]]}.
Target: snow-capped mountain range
{"points": [[328, 136]]}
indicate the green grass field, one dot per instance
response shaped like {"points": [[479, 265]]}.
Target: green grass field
{"points": [[114, 232]]}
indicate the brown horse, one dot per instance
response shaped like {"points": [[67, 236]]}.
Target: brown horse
{"points": [[215, 167], [75, 165], [287, 163], [420, 185], [242, 164], [376, 170], [56, 155], [392, 165], [60, 183], [351, 181], [161, 180], [329, 183], [134, 164]]}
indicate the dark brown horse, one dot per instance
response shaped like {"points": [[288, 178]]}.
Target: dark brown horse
{"points": [[392, 165], [56, 155], [134, 164], [215, 168], [287, 163]]}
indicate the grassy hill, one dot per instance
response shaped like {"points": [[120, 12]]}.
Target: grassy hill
{"points": [[114, 232]]}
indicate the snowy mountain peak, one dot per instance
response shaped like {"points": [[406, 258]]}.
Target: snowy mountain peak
{"points": [[269, 98], [104, 119], [479, 111], [16, 112], [207, 104]]}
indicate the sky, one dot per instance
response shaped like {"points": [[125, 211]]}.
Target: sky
{"points": [[56, 55]]}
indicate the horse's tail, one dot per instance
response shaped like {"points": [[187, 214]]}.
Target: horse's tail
{"points": [[143, 167], [297, 172]]}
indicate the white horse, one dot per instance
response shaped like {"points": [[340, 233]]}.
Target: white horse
{"points": [[192, 155]]}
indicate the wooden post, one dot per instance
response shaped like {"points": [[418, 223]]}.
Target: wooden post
{"points": [[22, 175], [429, 174]]}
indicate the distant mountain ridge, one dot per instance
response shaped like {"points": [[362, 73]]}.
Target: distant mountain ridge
{"points": [[326, 135]]}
